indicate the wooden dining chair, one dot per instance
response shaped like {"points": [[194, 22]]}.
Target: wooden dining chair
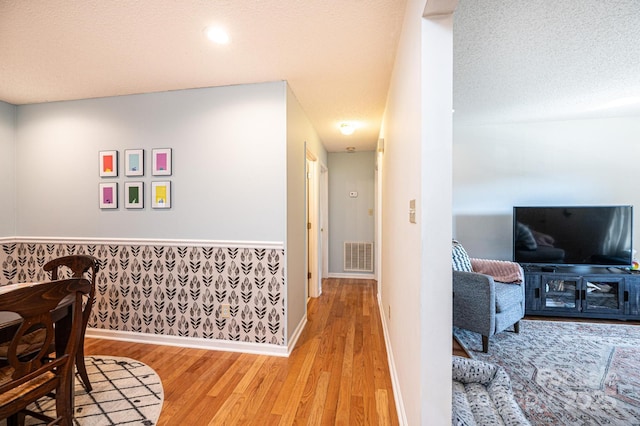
{"points": [[28, 377], [78, 266]]}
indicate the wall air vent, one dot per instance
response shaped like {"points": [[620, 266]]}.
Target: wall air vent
{"points": [[358, 256]]}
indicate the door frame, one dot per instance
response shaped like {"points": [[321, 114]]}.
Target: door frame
{"points": [[314, 232]]}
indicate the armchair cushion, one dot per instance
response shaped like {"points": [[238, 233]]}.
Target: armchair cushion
{"points": [[507, 296]]}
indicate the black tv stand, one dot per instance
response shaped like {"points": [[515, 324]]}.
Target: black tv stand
{"points": [[582, 292]]}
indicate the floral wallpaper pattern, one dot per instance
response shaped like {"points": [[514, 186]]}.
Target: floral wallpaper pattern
{"points": [[172, 290]]}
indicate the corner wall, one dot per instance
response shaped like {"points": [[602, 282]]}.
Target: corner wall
{"points": [[7, 169], [238, 183], [416, 269], [300, 136]]}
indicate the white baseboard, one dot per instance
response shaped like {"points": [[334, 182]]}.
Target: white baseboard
{"points": [[291, 344], [197, 343], [352, 276], [402, 414], [190, 342]]}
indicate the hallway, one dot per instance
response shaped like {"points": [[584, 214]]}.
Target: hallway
{"points": [[337, 374]]}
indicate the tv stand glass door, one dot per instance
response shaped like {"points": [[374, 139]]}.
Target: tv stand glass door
{"points": [[603, 295], [576, 293], [560, 292]]}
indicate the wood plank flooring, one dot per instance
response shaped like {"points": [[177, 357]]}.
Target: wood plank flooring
{"points": [[458, 350], [337, 374]]}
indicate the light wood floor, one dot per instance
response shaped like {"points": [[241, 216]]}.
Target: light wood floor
{"points": [[337, 374], [458, 350]]}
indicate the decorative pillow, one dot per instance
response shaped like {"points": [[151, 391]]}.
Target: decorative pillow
{"points": [[460, 258]]}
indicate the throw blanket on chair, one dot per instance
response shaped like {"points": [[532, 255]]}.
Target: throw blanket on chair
{"points": [[501, 270]]}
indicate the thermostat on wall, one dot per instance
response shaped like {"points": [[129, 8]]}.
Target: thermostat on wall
{"points": [[353, 194]]}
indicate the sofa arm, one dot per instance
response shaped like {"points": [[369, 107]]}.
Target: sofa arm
{"points": [[474, 302]]}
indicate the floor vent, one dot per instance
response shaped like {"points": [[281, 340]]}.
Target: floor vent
{"points": [[358, 257]]}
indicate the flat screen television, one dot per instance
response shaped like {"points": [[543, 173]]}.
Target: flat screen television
{"points": [[573, 235]]}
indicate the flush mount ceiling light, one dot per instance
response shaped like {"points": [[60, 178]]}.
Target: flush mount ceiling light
{"points": [[217, 35], [347, 128]]}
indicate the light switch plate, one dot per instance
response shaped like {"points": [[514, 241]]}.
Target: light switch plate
{"points": [[412, 211]]}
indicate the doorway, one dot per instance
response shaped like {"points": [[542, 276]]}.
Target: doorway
{"points": [[316, 224]]}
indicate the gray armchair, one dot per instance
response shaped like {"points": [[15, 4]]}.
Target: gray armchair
{"points": [[481, 303]]}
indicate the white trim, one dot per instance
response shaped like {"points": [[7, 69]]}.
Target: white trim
{"points": [[190, 342], [313, 235], [352, 276], [324, 216], [395, 383], [291, 344], [148, 241]]}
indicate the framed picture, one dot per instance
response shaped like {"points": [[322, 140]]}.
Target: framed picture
{"points": [[109, 195], [161, 195], [108, 163], [134, 195], [161, 159], [134, 162]]}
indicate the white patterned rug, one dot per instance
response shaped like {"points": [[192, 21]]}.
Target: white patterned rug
{"points": [[125, 392], [567, 373]]}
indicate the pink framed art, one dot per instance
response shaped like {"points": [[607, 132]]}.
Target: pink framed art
{"points": [[161, 161], [108, 195]]}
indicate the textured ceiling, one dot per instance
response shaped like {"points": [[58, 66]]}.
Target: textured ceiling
{"points": [[337, 55], [520, 60]]}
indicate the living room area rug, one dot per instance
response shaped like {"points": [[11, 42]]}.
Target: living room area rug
{"points": [[568, 373], [125, 392]]}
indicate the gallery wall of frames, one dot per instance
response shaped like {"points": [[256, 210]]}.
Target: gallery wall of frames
{"points": [[132, 188]]}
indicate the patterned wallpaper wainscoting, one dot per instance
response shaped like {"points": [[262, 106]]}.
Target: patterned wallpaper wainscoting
{"points": [[172, 290]]}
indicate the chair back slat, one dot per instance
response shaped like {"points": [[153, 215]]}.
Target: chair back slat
{"points": [[40, 372], [78, 265], [26, 363]]}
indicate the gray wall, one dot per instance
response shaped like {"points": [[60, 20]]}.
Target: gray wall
{"points": [[300, 134], [350, 219], [229, 164], [496, 167], [7, 169]]}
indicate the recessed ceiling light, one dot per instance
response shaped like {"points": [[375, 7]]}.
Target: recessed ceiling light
{"points": [[217, 35]]}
